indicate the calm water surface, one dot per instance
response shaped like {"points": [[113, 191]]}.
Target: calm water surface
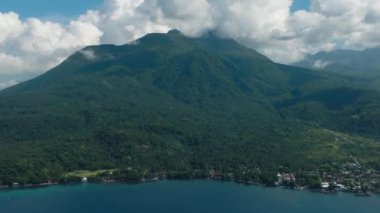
{"points": [[179, 197]]}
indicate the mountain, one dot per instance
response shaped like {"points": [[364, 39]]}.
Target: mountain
{"points": [[167, 103], [363, 63]]}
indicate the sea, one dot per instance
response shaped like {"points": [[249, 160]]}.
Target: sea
{"points": [[180, 197]]}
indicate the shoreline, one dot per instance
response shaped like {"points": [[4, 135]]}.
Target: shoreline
{"points": [[321, 191]]}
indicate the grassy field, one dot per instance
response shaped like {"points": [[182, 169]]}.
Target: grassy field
{"points": [[87, 173]]}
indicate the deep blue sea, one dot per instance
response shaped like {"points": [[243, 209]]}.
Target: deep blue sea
{"points": [[179, 197]]}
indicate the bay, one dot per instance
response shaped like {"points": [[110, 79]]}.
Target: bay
{"points": [[179, 197]]}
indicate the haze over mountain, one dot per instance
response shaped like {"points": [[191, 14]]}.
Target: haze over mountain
{"points": [[167, 102], [363, 63]]}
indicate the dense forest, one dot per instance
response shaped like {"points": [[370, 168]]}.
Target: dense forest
{"points": [[171, 104]]}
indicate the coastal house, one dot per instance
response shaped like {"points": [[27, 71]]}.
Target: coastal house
{"points": [[84, 180], [325, 185]]}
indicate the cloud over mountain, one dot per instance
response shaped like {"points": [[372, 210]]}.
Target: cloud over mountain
{"points": [[31, 46]]}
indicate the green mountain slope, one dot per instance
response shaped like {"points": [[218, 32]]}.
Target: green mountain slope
{"points": [[167, 102]]}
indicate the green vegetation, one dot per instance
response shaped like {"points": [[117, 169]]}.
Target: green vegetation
{"points": [[178, 107]]}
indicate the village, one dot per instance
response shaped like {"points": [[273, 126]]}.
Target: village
{"points": [[347, 177], [350, 177]]}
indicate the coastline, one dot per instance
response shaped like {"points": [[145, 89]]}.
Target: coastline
{"points": [[143, 181]]}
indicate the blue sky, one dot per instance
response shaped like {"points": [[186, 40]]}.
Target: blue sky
{"points": [[300, 5], [71, 8], [48, 8]]}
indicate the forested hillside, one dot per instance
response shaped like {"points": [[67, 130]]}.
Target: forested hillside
{"points": [[171, 103]]}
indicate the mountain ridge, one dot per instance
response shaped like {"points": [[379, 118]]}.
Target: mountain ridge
{"points": [[363, 63]]}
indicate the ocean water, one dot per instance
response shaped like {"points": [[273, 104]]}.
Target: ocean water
{"points": [[179, 197]]}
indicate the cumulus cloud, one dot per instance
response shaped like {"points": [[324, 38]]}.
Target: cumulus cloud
{"points": [[10, 25], [266, 25], [33, 45], [348, 24], [11, 64]]}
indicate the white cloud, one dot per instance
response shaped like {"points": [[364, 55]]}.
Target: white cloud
{"points": [[266, 25], [89, 54], [11, 64], [349, 24], [33, 46], [10, 26], [321, 64]]}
